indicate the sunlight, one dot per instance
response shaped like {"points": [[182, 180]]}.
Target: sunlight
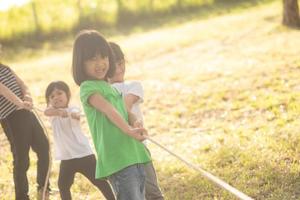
{"points": [[5, 5]]}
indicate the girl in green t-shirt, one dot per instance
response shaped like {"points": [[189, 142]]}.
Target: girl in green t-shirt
{"points": [[121, 155]]}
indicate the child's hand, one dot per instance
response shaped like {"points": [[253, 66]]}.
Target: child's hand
{"points": [[138, 124], [28, 98], [139, 134], [26, 105], [75, 115], [63, 113]]}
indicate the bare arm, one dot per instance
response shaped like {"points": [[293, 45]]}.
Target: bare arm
{"points": [[102, 105], [24, 88], [50, 112], [130, 99], [131, 118]]}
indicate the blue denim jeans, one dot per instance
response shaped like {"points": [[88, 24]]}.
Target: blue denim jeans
{"points": [[129, 183], [152, 190]]}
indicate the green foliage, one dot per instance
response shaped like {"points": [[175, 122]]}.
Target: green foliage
{"points": [[17, 21], [55, 18], [222, 93]]}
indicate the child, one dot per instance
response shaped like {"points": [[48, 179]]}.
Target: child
{"points": [[121, 155], [133, 95], [23, 131], [71, 145]]}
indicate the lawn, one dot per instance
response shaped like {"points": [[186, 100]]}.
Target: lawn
{"points": [[222, 92]]}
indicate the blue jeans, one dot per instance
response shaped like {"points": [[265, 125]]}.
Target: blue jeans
{"points": [[129, 183]]}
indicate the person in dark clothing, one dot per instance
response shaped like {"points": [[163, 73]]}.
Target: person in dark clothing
{"points": [[23, 132]]}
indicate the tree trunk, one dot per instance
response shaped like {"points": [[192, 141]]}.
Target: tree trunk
{"points": [[179, 4], [79, 8], [120, 6], [35, 17], [151, 7], [291, 13]]}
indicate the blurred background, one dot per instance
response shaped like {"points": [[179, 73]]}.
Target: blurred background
{"points": [[221, 81], [28, 20]]}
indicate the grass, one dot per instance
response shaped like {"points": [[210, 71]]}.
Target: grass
{"points": [[226, 102]]}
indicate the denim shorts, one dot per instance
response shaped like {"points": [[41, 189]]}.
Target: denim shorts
{"points": [[129, 183]]}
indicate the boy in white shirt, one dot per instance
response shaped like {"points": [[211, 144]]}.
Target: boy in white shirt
{"points": [[133, 94]]}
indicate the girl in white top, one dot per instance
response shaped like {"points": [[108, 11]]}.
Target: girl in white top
{"points": [[133, 94], [70, 143]]}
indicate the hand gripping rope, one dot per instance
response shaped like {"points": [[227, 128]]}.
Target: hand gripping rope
{"points": [[204, 173]]}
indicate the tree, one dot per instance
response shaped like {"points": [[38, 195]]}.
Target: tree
{"points": [[79, 8], [35, 17], [120, 6], [151, 5], [291, 16], [179, 4]]}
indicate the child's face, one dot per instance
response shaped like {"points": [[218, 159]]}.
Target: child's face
{"points": [[97, 67], [58, 99], [120, 72]]}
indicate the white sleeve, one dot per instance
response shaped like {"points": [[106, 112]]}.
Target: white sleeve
{"points": [[74, 109], [50, 119], [136, 89]]}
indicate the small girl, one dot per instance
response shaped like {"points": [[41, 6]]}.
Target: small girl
{"points": [[121, 155], [133, 95], [71, 145], [23, 132]]}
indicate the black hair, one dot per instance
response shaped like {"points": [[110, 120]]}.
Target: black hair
{"points": [[117, 51], [60, 85], [88, 44]]}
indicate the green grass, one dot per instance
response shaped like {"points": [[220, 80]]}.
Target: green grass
{"points": [[226, 102]]}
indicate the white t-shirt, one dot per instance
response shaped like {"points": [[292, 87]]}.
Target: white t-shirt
{"points": [[69, 140], [135, 88]]}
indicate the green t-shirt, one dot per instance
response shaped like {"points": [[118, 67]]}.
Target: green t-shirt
{"points": [[115, 149]]}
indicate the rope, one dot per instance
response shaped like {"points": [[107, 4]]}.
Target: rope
{"points": [[206, 174], [50, 158]]}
